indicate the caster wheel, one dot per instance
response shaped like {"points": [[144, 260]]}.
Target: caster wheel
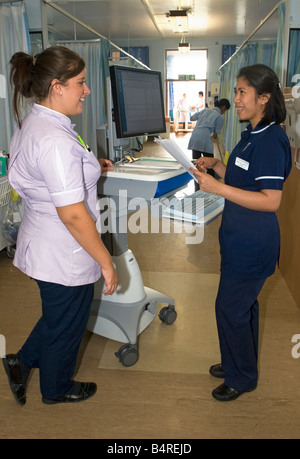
{"points": [[168, 315], [127, 355]]}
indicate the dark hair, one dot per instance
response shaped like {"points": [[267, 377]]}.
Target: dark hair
{"points": [[222, 103], [31, 76], [265, 81]]}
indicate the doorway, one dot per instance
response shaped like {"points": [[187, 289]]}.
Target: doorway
{"points": [[186, 78]]}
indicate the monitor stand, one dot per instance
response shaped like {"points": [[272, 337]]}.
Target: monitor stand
{"points": [[125, 314]]}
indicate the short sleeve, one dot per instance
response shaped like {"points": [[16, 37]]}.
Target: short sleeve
{"points": [[60, 165], [274, 163]]}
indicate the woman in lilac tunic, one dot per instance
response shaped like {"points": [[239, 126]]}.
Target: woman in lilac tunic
{"points": [[58, 242]]}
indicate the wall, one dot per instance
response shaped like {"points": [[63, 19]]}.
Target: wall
{"points": [[295, 14], [157, 50], [34, 13], [289, 220], [289, 212]]}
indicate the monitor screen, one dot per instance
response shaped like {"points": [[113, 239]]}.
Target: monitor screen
{"points": [[138, 107]]}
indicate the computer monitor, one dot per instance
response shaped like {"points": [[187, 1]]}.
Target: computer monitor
{"points": [[138, 106]]}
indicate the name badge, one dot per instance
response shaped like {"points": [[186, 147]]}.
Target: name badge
{"points": [[242, 163]]}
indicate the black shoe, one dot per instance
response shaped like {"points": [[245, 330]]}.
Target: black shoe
{"points": [[217, 371], [18, 375], [224, 393], [78, 393]]}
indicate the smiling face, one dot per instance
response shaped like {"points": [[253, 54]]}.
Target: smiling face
{"points": [[249, 105], [68, 98], [74, 94]]}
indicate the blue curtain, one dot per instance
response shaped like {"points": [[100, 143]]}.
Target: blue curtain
{"points": [[95, 54], [171, 100], [141, 53], [227, 52], [266, 53], [14, 36]]}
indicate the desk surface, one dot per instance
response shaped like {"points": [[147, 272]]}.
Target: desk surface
{"points": [[142, 182], [144, 174]]}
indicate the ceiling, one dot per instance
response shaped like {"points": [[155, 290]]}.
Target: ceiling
{"points": [[146, 19]]}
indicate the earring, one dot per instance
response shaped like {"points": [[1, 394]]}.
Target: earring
{"points": [[60, 93]]}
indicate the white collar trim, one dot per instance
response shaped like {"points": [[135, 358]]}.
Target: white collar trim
{"points": [[263, 129]]}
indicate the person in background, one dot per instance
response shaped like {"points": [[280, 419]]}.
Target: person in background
{"points": [[209, 125], [200, 103], [183, 109], [58, 243], [249, 234]]}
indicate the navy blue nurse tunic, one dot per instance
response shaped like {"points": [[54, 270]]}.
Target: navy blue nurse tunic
{"points": [[250, 243], [250, 239]]}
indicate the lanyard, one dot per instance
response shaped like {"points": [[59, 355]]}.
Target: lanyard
{"points": [[83, 144]]}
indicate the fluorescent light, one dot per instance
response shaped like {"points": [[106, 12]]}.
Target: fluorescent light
{"points": [[183, 47], [179, 21]]}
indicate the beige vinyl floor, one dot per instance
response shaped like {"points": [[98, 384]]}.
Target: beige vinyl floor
{"points": [[167, 394]]}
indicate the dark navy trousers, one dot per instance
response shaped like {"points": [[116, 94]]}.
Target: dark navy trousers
{"points": [[54, 342], [237, 314]]}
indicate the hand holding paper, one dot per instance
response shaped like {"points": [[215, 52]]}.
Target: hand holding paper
{"points": [[171, 147]]}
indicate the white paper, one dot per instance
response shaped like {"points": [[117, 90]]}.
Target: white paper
{"points": [[171, 147]]}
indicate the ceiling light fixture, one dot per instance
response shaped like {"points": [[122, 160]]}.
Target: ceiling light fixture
{"points": [[183, 47], [179, 20]]}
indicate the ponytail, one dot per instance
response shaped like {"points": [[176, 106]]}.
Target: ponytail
{"points": [[21, 77]]}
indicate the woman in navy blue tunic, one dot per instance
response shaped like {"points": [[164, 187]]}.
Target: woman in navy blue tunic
{"points": [[249, 234]]}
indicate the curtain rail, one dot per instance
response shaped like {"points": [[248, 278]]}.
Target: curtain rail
{"points": [[73, 18], [262, 22]]}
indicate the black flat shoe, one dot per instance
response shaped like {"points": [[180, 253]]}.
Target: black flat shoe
{"points": [[224, 393], [217, 371], [17, 374], [78, 393]]}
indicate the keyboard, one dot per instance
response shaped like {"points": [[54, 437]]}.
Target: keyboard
{"points": [[199, 207]]}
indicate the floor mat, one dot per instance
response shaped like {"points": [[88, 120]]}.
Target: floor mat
{"points": [[190, 344]]}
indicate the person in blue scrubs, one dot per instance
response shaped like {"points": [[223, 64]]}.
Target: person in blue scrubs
{"points": [[209, 125], [249, 234]]}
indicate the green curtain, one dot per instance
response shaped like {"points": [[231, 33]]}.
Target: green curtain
{"points": [[266, 53]]}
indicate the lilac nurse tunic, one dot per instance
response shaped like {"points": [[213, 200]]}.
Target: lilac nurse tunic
{"points": [[50, 168]]}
